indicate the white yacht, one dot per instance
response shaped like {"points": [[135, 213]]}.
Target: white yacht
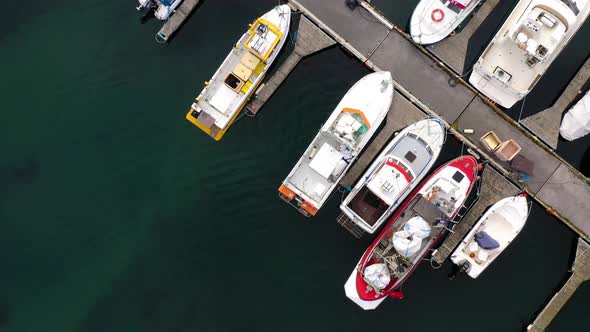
{"points": [[491, 235], [240, 74], [395, 173], [434, 20], [340, 140], [526, 45], [576, 122]]}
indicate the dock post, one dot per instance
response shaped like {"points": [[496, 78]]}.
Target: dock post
{"points": [[310, 39], [545, 124], [580, 273]]}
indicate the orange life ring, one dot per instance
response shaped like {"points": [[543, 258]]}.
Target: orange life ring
{"points": [[437, 15]]}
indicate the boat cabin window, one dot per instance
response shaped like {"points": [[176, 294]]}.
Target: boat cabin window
{"points": [[234, 82], [458, 177]]}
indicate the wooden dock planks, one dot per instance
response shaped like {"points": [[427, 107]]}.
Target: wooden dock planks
{"points": [[581, 273], [310, 39]]}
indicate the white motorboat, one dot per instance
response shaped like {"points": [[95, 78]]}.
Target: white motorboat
{"points": [[395, 173], [415, 228], [492, 233], [162, 8], [576, 121], [529, 41], [240, 74], [434, 20], [340, 140]]}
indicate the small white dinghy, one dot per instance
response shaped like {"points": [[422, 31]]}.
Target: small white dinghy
{"points": [[492, 233], [434, 20], [395, 173], [576, 122], [340, 140]]}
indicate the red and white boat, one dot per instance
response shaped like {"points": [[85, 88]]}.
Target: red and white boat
{"points": [[414, 229]]}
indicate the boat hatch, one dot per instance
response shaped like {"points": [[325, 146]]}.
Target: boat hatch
{"points": [[458, 177], [502, 75], [264, 37]]}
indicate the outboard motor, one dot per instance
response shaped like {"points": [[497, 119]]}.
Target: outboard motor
{"points": [[459, 269], [146, 7]]}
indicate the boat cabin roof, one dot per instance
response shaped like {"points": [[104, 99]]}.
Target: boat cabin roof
{"points": [[264, 37]]}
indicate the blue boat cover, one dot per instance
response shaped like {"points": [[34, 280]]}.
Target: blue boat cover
{"points": [[485, 241], [167, 3]]}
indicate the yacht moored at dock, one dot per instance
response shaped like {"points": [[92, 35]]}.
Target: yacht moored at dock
{"points": [[240, 74], [525, 46], [413, 230], [576, 121], [340, 140], [395, 173], [162, 8], [434, 20], [491, 235]]}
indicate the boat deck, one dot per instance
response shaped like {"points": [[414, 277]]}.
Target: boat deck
{"points": [[309, 181]]}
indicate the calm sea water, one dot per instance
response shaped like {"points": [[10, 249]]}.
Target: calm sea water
{"points": [[119, 215]]}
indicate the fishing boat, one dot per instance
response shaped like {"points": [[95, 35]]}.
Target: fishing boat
{"points": [[395, 173], [414, 229], [434, 20], [240, 74], [576, 121], [162, 8], [340, 140], [525, 46], [492, 233]]}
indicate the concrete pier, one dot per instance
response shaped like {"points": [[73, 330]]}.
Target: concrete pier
{"points": [[494, 187], [580, 274], [310, 39], [175, 21], [426, 81], [545, 124], [453, 50]]}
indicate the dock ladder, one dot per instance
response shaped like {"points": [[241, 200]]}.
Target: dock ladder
{"points": [[351, 227]]}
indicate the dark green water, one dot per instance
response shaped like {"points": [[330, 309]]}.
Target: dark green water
{"points": [[119, 215]]}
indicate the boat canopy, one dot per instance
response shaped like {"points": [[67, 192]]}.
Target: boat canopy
{"points": [[576, 122], [485, 241]]}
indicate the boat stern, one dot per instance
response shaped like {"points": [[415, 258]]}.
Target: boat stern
{"points": [[305, 207], [352, 293], [495, 86]]}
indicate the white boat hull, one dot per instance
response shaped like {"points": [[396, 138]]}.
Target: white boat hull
{"points": [[525, 46], [503, 222], [576, 122], [431, 132], [425, 28], [310, 186]]}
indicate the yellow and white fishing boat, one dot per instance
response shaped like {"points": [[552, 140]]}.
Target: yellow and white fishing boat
{"points": [[240, 74]]}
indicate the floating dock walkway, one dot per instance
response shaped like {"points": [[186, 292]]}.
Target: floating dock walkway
{"points": [[176, 20], [424, 80], [545, 124], [580, 274], [310, 39]]}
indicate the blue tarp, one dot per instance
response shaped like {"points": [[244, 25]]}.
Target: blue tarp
{"points": [[485, 241], [167, 3]]}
